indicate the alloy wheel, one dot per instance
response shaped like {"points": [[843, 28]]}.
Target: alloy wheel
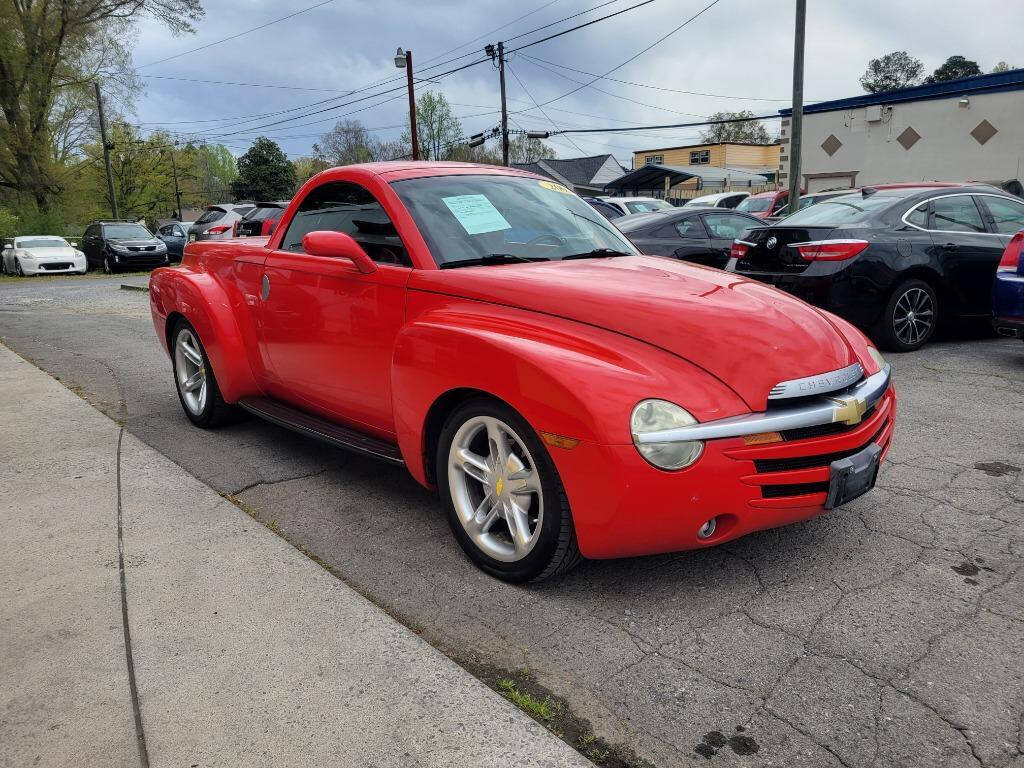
{"points": [[106, 265], [496, 488], [190, 371], [913, 316]]}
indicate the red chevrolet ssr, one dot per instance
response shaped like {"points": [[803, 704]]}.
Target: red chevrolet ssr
{"points": [[567, 396]]}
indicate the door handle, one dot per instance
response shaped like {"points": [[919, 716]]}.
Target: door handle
{"points": [[950, 247], [265, 288]]}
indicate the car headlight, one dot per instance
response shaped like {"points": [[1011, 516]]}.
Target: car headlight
{"points": [[877, 357], [659, 415]]}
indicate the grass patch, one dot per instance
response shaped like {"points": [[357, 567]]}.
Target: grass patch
{"points": [[539, 709], [96, 275]]}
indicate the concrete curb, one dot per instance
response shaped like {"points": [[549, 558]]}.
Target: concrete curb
{"points": [[128, 287]]}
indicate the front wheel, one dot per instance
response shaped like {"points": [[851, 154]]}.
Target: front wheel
{"points": [[108, 266], [506, 504], [910, 317]]}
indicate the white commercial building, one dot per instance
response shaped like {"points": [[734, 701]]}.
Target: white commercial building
{"points": [[970, 129]]}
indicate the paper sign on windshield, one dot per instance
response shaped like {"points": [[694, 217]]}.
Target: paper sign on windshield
{"points": [[476, 214]]}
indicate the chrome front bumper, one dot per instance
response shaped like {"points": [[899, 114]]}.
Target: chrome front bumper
{"points": [[848, 407]]}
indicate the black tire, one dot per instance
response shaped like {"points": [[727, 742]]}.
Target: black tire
{"points": [[910, 317], [17, 269], [108, 266], [556, 551], [215, 411]]}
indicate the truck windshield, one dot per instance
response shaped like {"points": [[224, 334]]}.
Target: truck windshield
{"points": [[476, 218]]}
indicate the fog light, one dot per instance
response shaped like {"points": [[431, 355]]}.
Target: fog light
{"points": [[708, 529]]}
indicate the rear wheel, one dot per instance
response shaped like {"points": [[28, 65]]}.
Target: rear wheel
{"points": [[193, 377], [910, 317], [506, 504]]}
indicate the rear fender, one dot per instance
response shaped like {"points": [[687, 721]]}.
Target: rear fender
{"points": [[202, 300], [563, 377]]}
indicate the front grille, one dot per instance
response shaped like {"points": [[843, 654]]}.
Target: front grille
{"points": [[808, 462], [56, 265], [141, 247], [793, 489], [823, 430]]}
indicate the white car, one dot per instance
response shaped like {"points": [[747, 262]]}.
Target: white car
{"points": [[717, 200], [630, 205], [42, 255]]}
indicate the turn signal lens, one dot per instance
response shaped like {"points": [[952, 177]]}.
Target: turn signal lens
{"points": [[558, 441], [659, 415], [877, 357], [218, 230], [830, 250], [762, 438], [1011, 256]]}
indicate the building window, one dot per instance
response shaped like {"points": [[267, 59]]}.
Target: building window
{"points": [[654, 160], [700, 157]]}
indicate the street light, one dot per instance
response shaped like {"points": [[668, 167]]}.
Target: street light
{"points": [[403, 60]]}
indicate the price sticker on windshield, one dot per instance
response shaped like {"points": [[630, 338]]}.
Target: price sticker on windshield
{"points": [[476, 214], [555, 187]]}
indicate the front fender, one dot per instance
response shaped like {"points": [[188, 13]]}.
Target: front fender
{"points": [[202, 300], [570, 379]]}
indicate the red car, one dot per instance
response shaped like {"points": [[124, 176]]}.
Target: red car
{"points": [[764, 205], [567, 396]]}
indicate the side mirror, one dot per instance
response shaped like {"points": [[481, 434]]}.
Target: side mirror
{"points": [[338, 245], [8, 246], [74, 245]]}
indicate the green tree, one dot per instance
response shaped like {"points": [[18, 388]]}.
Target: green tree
{"points": [[1002, 66], [438, 130], [954, 68], [205, 173], [264, 173], [306, 168], [894, 70], [50, 53], [748, 131], [523, 149]]}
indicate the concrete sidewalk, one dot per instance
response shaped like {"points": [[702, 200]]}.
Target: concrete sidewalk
{"points": [[245, 652]]}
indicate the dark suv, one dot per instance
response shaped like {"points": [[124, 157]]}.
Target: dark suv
{"points": [[122, 246], [894, 261]]}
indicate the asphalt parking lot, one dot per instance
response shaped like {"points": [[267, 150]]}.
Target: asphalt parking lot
{"points": [[886, 633]]}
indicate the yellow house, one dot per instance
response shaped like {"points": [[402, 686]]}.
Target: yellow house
{"points": [[757, 158]]}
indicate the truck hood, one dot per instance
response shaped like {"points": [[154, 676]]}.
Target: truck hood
{"points": [[747, 334]]}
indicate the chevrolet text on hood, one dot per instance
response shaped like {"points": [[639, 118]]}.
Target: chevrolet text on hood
{"points": [[567, 396]]}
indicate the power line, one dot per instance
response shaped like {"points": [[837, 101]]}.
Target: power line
{"points": [[672, 125], [236, 35], [648, 85], [635, 56], [553, 123], [244, 85]]}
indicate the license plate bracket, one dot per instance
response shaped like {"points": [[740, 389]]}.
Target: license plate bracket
{"points": [[853, 476]]}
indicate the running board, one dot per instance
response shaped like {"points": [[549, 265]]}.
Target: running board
{"points": [[322, 429]]}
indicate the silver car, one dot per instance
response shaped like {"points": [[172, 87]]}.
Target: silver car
{"points": [[218, 223]]}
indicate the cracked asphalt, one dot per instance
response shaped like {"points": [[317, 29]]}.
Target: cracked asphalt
{"points": [[886, 633]]}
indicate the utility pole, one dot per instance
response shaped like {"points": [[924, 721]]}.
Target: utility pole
{"points": [[106, 152], [404, 59], [797, 120], [177, 191], [504, 108]]}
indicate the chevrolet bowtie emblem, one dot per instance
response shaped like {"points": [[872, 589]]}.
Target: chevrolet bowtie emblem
{"points": [[848, 410]]}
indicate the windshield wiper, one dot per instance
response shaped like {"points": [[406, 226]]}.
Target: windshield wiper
{"points": [[597, 253], [491, 258]]}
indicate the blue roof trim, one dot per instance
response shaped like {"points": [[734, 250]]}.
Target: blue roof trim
{"points": [[1011, 80]]}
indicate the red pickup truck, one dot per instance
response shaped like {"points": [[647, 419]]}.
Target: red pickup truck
{"points": [[567, 396]]}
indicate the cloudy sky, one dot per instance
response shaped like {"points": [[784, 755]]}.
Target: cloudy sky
{"points": [[738, 51]]}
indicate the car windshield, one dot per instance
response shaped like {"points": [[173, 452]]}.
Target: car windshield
{"points": [[755, 204], [500, 219], [126, 232], [643, 206], [49, 242], [211, 215], [848, 209]]}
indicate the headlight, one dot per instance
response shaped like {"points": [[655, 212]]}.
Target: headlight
{"points": [[119, 249], [877, 357], [656, 416]]}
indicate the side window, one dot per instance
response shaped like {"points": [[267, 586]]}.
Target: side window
{"points": [[956, 213], [341, 206], [919, 216], [782, 202], [1008, 214], [165, 230], [726, 225], [689, 228]]}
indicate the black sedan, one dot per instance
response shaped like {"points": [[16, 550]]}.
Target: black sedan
{"points": [[700, 235], [893, 261]]}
